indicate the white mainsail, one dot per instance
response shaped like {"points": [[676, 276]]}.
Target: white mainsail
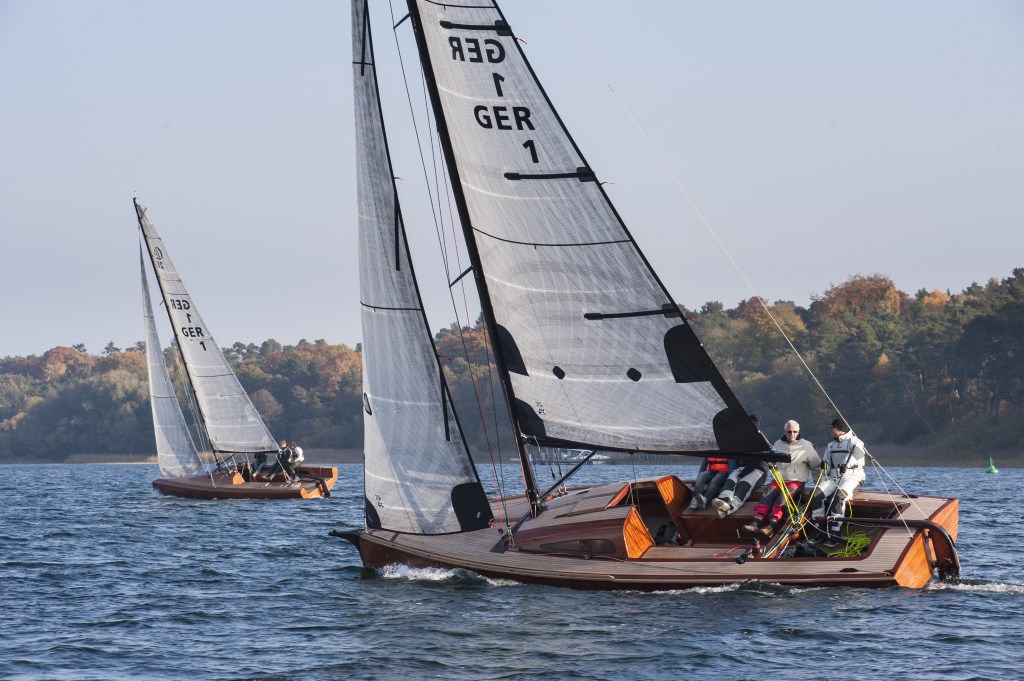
{"points": [[229, 418], [176, 453], [419, 476], [596, 351]]}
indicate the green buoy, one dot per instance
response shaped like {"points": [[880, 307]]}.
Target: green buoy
{"points": [[991, 466]]}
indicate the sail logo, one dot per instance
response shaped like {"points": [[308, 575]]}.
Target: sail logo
{"points": [[500, 117], [493, 52], [494, 117]]}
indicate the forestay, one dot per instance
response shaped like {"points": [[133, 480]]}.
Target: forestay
{"points": [[597, 353], [418, 473], [231, 422], [175, 450]]}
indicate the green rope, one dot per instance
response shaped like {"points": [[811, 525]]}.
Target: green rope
{"points": [[856, 544]]}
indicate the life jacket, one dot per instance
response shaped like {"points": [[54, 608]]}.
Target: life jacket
{"points": [[844, 453], [718, 465]]}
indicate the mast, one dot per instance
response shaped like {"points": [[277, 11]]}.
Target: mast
{"points": [[474, 255], [188, 374]]}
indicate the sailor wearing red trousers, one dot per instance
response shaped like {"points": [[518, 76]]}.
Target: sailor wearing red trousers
{"points": [[803, 461]]}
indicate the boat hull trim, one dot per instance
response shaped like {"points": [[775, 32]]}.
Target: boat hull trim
{"points": [[599, 538], [309, 483]]}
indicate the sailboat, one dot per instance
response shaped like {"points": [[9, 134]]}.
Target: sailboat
{"points": [[232, 429], [580, 325]]}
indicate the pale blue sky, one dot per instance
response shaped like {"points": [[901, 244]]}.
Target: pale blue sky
{"points": [[819, 139]]}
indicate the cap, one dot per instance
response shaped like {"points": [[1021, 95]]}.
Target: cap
{"points": [[840, 424]]}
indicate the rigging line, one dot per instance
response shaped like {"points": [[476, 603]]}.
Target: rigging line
{"points": [[437, 184], [490, 368], [435, 209], [491, 379], [193, 408], [693, 205], [478, 390], [419, 143], [452, 221], [909, 498]]}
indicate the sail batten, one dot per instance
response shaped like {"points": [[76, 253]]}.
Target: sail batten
{"points": [[594, 348], [418, 475], [228, 416]]}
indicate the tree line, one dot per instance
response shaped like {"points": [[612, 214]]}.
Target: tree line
{"points": [[934, 369]]}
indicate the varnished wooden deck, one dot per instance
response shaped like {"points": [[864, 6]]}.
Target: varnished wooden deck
{"points": [[897, 557]]}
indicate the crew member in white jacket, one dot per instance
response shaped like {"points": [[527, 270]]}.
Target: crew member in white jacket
{"points": [[844, 460]]}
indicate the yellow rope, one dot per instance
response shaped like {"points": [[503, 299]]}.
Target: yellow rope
{"points": [[787, 498], [795, 512], [856, 544]]}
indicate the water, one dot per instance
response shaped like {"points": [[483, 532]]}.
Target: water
{"points": [[104, 579]]}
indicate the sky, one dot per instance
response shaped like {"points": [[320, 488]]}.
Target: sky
{"points": [[815, 140]]}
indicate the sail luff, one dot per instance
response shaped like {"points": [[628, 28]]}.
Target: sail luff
{"points": [[596, 352], [471, 247], [419, 476], [140, 214], [227, 414], [176, 453]]}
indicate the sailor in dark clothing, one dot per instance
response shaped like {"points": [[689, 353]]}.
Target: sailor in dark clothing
{"points": [[292, 458], [274, 461]]}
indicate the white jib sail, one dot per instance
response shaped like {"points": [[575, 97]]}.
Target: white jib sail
{"points": [[418, 474], [175, 450]]}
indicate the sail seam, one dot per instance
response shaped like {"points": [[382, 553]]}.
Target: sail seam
{"points": [[535, 243], [396, 309], [449, 4]]}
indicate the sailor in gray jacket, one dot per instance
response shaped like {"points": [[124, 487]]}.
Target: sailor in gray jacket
{"points": [[844, 460]]}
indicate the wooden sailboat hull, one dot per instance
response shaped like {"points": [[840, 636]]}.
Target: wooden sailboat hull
{"points": [[233, 486], [590, 539]]}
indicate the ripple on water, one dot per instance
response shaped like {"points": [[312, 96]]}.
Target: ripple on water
{"points": [[105, 579]]}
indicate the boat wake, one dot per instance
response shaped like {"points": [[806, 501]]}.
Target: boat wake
{"points": [[414, 574], [978, 585]]}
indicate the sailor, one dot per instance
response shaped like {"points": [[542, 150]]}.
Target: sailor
{"points": [[741, 482], [293, 458], [710, 478], [803, 464], [738, 486], [274, 460], [844, 461]]}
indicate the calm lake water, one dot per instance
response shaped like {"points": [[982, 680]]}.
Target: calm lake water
{"points": [[102, 578]]}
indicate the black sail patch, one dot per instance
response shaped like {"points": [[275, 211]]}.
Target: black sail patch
{"points": [[372, 518], [471, 507], [530, 419], [510, 352], [687, 366], [733, 430]]}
